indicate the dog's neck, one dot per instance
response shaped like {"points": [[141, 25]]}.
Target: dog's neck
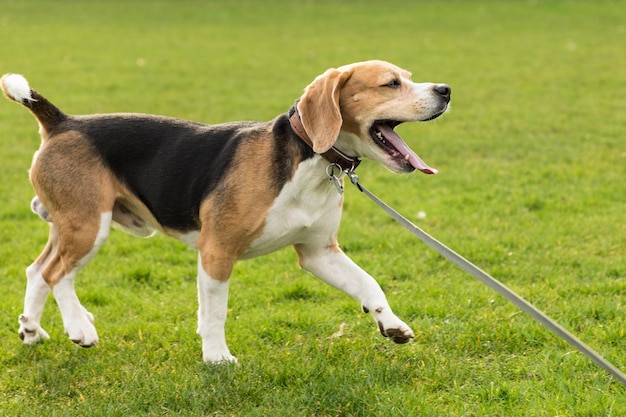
{"points": [[333, 155]]}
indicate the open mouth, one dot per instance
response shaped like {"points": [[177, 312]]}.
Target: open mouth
{"points": [[387, 139]]}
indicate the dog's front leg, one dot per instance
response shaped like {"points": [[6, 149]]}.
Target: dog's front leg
{"points": [[37, 291], [212, 310], [331, 265]]}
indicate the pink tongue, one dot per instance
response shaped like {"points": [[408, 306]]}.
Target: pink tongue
{"points": [[397, 142]]}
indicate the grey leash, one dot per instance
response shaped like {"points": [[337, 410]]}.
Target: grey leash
{"points": [[491, 282]]}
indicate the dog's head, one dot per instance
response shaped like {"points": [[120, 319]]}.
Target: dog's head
{"points": [[356, 108]]}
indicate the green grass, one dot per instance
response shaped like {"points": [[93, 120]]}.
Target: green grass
{"points": [[531, 188]]}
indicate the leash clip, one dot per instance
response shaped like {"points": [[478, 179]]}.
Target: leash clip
{"points": [[335, 172], [355, 180]]}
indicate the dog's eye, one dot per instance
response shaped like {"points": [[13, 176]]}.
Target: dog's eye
{"points": [[393, 84]]}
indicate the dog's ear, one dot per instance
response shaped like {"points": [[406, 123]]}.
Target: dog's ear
{"points": [[319, 108]]}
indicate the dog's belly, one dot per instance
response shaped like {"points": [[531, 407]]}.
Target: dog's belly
{"points": [[285, 227]]}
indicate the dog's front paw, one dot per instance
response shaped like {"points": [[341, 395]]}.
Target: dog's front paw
{"points": [[218, 357], [391, 326], [399, 335], [30, 332], [81, 330], [215, 351]]}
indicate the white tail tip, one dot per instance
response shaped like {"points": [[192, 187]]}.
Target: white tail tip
{"points": [[16, 87]]}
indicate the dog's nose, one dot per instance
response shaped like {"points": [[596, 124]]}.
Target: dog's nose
{"points": [[444, 91]]}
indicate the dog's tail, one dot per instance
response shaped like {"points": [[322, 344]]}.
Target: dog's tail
{"points": [[16, 88]]}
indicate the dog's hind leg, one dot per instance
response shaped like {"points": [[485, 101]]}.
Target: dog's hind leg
{"points": [[78, 244], [38, 208], [37, 291]]}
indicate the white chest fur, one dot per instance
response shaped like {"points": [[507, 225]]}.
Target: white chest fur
{"points": [[307, 210]]}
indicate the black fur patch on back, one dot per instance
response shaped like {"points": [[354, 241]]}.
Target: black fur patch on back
{"points": [[171, 165]]}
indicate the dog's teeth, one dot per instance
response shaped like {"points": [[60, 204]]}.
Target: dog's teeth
{"points": [[379, 135], [407, 156]]}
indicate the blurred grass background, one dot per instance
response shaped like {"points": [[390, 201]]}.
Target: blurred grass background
{"points": [[531, 188]]}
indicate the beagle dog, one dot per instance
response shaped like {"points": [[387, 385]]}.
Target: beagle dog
{"points": [[233, 191]]}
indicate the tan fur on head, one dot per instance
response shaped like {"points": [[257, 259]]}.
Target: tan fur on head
{"points": [[319, 108]]}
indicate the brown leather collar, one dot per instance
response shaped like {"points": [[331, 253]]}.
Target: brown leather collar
{"points": [[333, 155]]}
